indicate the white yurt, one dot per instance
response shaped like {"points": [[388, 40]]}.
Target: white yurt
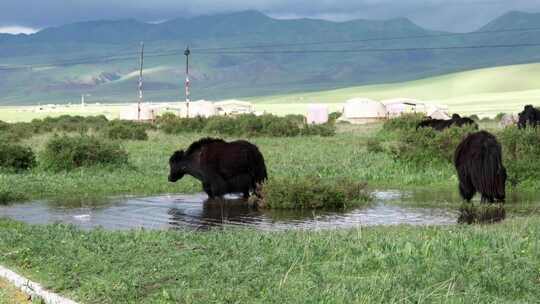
{"points": [[437, 111], [399, 106], [363, 110], [509, 120], [131, 112], [202, 108], [317, 114], [234, 107]]}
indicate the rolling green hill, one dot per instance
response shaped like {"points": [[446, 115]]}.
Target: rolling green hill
{"points": [[484, 91], [57, 65]]}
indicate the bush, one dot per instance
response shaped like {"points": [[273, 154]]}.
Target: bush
{"points": [[172, 124], [521, 153], [312, 193], [334, 116], [428, 146], [405, 122], [244, 125], [7, 197], [325, 130], [499, 117], [126, 130], [298, 118], [374, 146], [65, 123], [223, 125], [15, 157], [67, 153], [279, 126], [474, 117]]}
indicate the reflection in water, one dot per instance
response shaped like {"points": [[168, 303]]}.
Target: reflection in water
{"points": [[483, 213], [195, 212]]}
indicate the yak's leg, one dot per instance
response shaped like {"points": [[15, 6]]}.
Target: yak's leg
{"points": [[208, 189], [241, 184], [487, 199], [218, 186], [467, 191]]}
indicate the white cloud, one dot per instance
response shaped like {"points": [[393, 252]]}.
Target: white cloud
{"points": [[17, 30]]}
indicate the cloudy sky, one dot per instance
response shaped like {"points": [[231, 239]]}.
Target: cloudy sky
{"points": [[451, 15]]}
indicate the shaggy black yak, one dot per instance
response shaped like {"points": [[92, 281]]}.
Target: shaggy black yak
{"points": [[478, 161], [441, 124], [222, 167], [529, 117]]}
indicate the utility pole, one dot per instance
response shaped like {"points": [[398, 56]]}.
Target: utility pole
{"points": [[140, 84], [187, 52]]}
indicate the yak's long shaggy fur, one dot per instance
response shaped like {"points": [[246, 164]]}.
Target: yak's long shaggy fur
{"points": [[478, 161], [441, 124], [222, 167], [530, 116]]}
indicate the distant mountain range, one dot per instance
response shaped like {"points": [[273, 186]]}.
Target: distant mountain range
{"points": [[100, 57]]}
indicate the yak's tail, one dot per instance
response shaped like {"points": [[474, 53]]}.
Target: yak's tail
{"points": [[491, 173], [258, 166], [260, 171]]}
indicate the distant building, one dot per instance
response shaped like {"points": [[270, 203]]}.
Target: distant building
{"points": [[399, 106], [131, 112], [317, 114], [363, 111], [234, 107]]}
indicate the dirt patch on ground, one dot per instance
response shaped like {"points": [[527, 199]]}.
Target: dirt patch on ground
{"points": [[11, 295]]}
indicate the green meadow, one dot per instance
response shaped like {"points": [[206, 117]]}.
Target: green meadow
{"points": [[400, 264]]}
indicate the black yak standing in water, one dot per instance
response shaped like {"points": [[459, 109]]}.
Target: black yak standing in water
{"points": [[478, 161], [235, 167], [529, 117], [441, 124]]}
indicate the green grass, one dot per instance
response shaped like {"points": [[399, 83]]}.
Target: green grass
{"points": [[402, 264], [342, 156]]}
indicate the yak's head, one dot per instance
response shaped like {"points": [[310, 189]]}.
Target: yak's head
{"points": [[456, 116], [178, 164]]}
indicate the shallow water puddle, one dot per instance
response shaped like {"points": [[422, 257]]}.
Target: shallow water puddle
{"points": [[195, 212]]}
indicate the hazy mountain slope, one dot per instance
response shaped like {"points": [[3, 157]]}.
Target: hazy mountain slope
{"points": [[59, 64]]}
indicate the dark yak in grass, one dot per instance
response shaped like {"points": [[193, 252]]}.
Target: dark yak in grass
{"points": [[530, 116], [441, 124], [478, 161], [222, 167]]}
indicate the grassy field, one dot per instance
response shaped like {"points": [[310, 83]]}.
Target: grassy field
{"points": [[342, 156], [484, 92], [402, 264]]}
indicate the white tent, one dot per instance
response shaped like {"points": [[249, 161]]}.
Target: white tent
{"points": [[234, 107], [363, 110], [197, 108], [131, 112], [398, 106], [437, 111], [317, 114], [509, 120]]}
